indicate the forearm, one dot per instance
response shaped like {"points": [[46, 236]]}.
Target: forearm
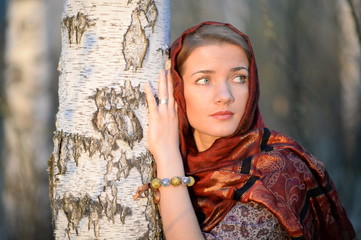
{"points": [[178, 216]]}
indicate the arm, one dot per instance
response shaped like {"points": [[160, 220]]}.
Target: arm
{"points": [[178, 216]]}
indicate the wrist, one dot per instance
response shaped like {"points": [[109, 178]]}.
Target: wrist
{"points": [[169, 165], [174, 181], [169, 171]]}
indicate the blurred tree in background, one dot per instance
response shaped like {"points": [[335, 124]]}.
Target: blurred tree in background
{"points": [[2, 40], [29, 93], [308, 55]]}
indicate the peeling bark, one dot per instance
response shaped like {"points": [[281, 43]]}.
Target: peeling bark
{"points": [[135, 42], [100, 156], [115, 118], [76, 26], [70, 147]]}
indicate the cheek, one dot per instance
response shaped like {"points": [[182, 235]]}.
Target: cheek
{"points": [[242, 99], [191, 104], [245, 98], [194, 107]]}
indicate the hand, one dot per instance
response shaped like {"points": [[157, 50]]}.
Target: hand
{"points": [[163, 143], [163, 136]]}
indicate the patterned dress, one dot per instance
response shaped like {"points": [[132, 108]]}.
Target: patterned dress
{"points": [[248, 221]]}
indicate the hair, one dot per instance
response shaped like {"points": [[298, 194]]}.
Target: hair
{"points": [[210, 35]]}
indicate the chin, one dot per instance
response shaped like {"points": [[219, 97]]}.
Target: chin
{"points": [[223, 133]]}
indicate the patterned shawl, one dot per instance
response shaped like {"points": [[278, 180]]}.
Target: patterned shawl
{"points": [[260, 165]]}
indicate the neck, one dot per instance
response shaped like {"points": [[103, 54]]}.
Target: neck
{"points": [[203, 142]]}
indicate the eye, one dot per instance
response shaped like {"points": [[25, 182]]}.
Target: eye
{"points": [[202, 81], [240, 79]]}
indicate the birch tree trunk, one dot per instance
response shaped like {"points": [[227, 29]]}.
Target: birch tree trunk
{"points": [[26, 123], [110, 48]]}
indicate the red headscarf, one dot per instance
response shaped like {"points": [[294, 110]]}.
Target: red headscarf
{"points": [[256, 164]]}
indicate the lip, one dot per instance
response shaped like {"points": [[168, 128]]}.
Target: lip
{"points": [[222, 115]]}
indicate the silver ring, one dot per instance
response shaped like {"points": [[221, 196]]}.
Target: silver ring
{"points": [[163, 101]]}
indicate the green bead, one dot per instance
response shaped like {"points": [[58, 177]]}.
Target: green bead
{"points": [[156, 183], [176, 181], [192, 181]]}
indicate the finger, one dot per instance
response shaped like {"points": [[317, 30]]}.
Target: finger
{"points": [[162, 87], [170, 89], [152, 104], [176, 107]]}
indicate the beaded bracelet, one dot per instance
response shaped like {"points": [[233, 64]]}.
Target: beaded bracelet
{"points": [[174, 181]]}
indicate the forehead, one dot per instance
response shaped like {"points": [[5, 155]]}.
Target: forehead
{"points": [[221, 55]]}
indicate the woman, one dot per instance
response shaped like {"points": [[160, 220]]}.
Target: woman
{"points": [[250, 182]]}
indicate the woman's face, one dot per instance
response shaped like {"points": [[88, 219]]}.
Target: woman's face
{"points": [[215, 90]]}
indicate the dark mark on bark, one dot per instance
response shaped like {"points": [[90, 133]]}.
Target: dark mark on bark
{"points": [[76, 26], [135, 43], [114, 117]]}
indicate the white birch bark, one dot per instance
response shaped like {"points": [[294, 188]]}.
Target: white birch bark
{"points": [[350, 62], [110, 48], [27, 123]]}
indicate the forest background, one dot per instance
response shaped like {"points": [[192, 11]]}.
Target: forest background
{"points": [[308, 57]]}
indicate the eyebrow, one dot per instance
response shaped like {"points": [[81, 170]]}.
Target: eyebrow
{"points": [[203, 71], [235, 69]]}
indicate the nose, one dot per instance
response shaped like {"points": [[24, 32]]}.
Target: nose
{"points": [[223, 93]]}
